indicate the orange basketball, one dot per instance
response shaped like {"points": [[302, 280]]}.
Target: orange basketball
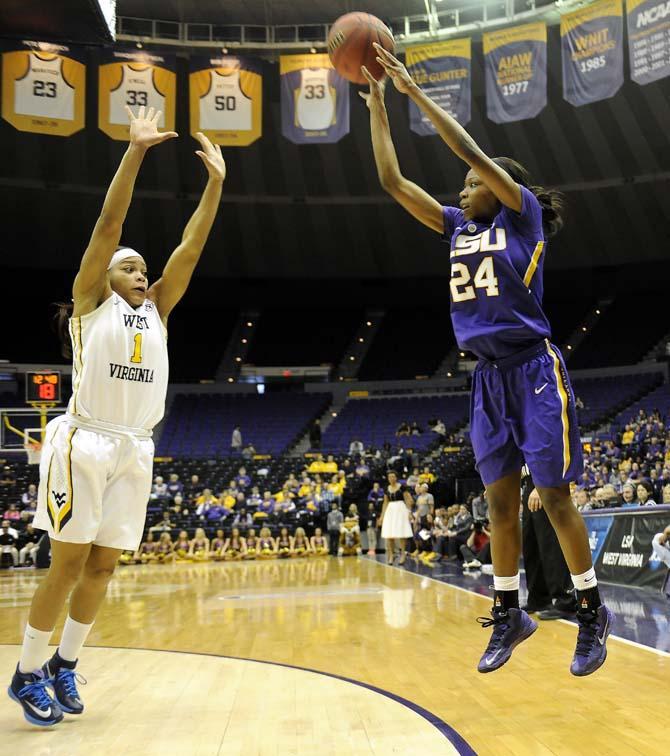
{"points": [[350, 45]]}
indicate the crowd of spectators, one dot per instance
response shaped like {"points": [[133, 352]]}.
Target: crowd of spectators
{"points": [[631, 469]]}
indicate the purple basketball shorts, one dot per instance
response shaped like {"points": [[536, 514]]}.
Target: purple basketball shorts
{"points": [[522, 409]]}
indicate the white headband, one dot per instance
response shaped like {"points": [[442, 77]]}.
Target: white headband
{"points": [[123, 254]]}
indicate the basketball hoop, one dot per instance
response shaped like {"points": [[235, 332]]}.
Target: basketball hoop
{"points": [[34, 451]]}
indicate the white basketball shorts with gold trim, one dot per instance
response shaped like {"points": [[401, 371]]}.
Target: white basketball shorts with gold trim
{"points": [[94, 487]]}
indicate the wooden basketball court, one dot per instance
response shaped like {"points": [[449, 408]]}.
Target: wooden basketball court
{"points": [[326, 656]]}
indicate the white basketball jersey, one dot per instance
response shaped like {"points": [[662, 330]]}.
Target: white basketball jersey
{"points": [[43, 91], [136, 88], [225, 106], [120, 364], [316, 107]]}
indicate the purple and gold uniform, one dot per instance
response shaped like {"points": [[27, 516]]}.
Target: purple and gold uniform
{"points": [[522, 406]]}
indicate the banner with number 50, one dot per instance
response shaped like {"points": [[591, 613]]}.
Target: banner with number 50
{"points": [[516, 72]]}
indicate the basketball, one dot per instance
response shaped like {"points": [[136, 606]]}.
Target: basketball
{"points": [[350, 43]]}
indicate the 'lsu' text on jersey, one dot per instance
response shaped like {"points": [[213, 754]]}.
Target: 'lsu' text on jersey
{"points": [[120, 364], [496, 279]]}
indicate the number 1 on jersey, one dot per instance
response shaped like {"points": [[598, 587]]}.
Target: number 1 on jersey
{"points": [[137, 354]]}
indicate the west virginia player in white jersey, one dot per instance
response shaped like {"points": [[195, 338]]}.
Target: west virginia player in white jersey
{"points": [[95, 474]]}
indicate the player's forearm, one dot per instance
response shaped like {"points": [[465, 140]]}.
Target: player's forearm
{"points": [[458, 139], [383, 148], [198, 228], [120, 192]]}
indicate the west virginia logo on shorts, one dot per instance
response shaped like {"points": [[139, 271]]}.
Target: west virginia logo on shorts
{"points": [[60, 493]]}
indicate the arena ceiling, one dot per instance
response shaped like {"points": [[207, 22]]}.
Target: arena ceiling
{"points": [[264, 12]]}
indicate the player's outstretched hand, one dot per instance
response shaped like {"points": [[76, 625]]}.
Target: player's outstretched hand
{"points": [[211, 156], [376, 94], [144, 128], [394, 69]]}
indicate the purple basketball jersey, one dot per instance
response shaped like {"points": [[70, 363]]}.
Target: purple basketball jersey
{"points": [[496, 279]]}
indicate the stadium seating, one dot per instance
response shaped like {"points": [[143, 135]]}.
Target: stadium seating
{"points": [[375, 421], [201, 425], [604, 396]]}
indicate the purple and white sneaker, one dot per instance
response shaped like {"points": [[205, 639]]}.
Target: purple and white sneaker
{"points": [[591, 651], [509, 629]]}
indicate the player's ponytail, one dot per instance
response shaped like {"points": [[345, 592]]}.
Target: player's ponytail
{"points": [[551, 201], [62, 323]]}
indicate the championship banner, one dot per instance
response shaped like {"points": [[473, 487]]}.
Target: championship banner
{"points": [[592, 52], [135, 78], [44, 87], [516, 72], [314, 99], [226, 99], [443, 71], [648, 39], [624, 553]]}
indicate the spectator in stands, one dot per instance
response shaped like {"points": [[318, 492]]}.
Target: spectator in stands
{"points": [[656, 485], [628, 495], [460, 531], [439, 427], [666, 494], [175, 487], [480, 507], [644, 494], [242, 480], [254, 499], [243, 520], [28, 512], [159, 488], [403, 429], [333, 525], [582, 500], [12, 513], [660, 544], [441, 533], [178, 505], [193, 489], [356, 447], [248, 452], [164, 525], [236, 440], [8, 542], [415, 430], [205, 501], [315, 434], [28, 544], [413, 479], [427, 476], [627, 436], [266, 508], [476, 551], [30, 496], [7, 479]]}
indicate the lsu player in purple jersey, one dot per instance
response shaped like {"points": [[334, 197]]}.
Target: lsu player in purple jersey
{"points": [[522, 406]]}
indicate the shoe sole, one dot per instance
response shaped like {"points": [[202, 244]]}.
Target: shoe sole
{"points": [[519, 640], [28, 718]]}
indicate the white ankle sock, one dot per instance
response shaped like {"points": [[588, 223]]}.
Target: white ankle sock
{"points": [[34, 651], [510, 583], [73, 638], [586, 580]]}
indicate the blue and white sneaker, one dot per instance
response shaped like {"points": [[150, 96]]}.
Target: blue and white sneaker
{"points": [[29, 690], [509, 629], [61, 676], [591, 651]]}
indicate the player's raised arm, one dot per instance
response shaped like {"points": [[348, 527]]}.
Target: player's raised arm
{"points": [[413, 198], [503, 186], [91, 280], [172, 285]]}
